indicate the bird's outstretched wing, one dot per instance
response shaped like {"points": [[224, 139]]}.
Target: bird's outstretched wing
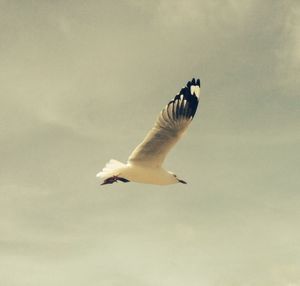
{"points": [[169, 126]]}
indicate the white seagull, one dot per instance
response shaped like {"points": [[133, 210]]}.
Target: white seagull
{"points": [[144, 165]]}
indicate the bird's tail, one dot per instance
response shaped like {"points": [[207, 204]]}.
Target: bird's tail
{"points": [[112, 168]]}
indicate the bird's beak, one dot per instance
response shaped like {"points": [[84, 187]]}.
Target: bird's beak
{"points": [[182, 181]]}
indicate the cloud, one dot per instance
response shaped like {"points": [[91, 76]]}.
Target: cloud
{"points": [[83, 82]]}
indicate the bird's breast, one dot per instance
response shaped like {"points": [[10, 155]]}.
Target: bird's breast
{"points": [[146, 175]]}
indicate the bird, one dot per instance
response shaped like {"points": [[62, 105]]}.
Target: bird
{"points": [[144, 165]]}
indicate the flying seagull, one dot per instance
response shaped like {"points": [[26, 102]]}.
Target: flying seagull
{"points": [[144, 165]]}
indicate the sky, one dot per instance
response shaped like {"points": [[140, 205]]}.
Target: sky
{"points": [[82, 82]]}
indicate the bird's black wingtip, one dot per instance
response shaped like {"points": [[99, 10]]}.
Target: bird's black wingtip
{"points": [[193, 82], [190, 94]]}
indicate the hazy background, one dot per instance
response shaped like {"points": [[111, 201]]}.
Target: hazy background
{"points": [[82, 82]]}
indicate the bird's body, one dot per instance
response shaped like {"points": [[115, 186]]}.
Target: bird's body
{"points": [[144, 174], [145, 162]]}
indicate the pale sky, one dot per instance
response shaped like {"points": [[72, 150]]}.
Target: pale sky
{"points": [[83, 81]]}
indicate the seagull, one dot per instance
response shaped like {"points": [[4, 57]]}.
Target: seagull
{"points": [[144, 165]]}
